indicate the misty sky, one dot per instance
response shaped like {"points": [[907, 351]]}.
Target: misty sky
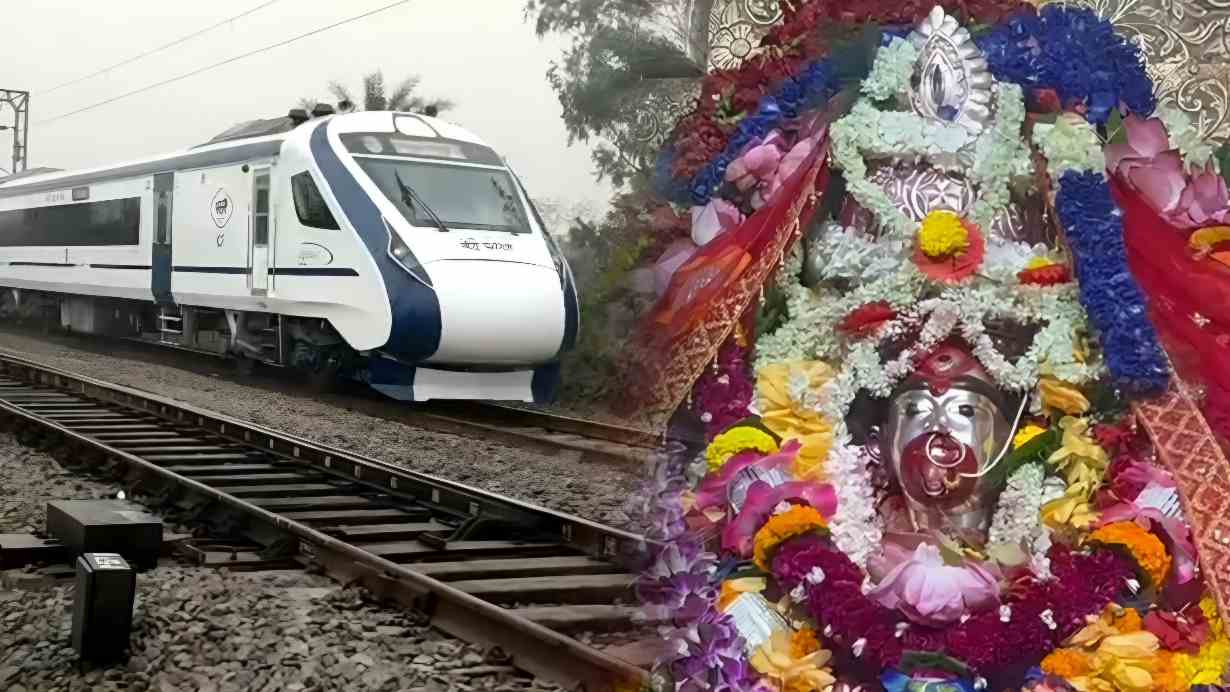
{"points": [[479, 53]]}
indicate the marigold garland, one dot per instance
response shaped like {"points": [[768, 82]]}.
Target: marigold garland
{"points": [[1148, 551], [1067, 663], [735, 440], [796, 521]]}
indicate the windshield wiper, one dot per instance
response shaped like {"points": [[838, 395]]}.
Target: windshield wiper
{"points": [[412, 199]]}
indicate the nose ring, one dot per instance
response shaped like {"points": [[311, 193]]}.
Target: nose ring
{"points": [[934, 457]]}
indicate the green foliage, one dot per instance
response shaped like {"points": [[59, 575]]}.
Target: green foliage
{"points": [[1036, 451], [1222, 156], [620, 52], [376, 96]]}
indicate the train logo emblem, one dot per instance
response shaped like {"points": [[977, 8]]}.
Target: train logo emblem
{"points": [[221, 207]]}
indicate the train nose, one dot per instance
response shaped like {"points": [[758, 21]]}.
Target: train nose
{"points": [[497, 313]]}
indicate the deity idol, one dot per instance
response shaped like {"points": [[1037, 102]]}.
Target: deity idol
{"points": [[945, 428]]}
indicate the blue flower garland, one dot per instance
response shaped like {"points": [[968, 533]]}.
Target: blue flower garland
{"points": [[813, 86], [1115, 303], [1074, 52]]}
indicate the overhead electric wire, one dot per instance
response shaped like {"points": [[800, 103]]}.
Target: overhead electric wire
{"points": [[228, 61], [159, 49]]}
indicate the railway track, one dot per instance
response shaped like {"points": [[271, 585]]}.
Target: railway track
{"points": [[543, 431], [485, 568]]}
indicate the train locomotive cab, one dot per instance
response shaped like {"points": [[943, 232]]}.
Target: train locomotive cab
{"points": [[392, 247], [481, 302]]}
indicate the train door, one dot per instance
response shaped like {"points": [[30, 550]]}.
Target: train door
{"points": [[261, 227], [160, 269]]}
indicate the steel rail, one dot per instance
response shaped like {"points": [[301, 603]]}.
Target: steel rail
{"points": [[534, 647]]}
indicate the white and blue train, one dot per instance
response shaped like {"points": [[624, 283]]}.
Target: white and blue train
{"points": [[392, 246]]}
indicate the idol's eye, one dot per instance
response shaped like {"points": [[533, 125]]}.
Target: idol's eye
{"points": [[966, 410], [912, 409]]}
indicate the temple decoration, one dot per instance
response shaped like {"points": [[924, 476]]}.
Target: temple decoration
{"points": [[952, 319]]}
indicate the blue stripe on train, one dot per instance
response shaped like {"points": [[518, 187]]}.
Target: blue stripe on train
{"points": [[415, 332]]}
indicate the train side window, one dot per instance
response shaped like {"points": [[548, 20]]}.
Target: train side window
{"points": [[260, 212], [310, 204]]}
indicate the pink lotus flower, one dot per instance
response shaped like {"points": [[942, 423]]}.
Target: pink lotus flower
{"points": [[762, 502], [930, 592], [789, 164], [1151, 167], [713, 219], [712, 490], [757, 163]]}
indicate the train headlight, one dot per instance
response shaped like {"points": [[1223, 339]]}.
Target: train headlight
{"points": [[400, 252]]}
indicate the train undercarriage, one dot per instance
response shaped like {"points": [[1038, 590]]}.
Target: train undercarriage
{"points": [[308, 345]]}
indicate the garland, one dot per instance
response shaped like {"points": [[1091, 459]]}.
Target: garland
{"points": [[1074, 53], [815, 84], [1108, 291], [992, 160]]}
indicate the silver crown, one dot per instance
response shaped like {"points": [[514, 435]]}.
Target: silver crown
{"points": [[952, 82]]}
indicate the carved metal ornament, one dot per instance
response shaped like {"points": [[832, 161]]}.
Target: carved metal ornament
{"points": [[918, 190], [1187, 51], [951, 82]]}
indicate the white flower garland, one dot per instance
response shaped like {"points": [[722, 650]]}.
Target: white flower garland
{"points": [[992, 161], [1185, 137], [1070, 144], [891, 71], [856, 527], [1016, 518]]}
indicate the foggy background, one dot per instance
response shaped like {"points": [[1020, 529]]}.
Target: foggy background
{"points": [[480, 54]]}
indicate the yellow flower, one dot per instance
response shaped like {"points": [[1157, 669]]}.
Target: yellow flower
{"points": [[776, 660], [1117, 656], [1079, 458], [1070, 510], [1206, 667], [1209, 607], [735, 440], [1147, 549], [790, 420], [942, 235], [1026, 434], [796, 521], [1061, 396], [1040, 262]]}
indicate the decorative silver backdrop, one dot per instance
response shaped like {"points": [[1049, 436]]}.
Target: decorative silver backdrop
{"points": [[1186, 44]]}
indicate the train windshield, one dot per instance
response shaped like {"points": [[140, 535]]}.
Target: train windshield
{"points": [[461, 196]]}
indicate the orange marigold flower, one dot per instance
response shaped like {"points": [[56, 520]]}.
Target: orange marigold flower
{"points": [[796, 521], [804, 642], [1067, 663], [1129, 621], [1148, 551], [1166, 676]]}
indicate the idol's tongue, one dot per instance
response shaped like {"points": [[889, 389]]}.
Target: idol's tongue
{"points": [[932, 465]]}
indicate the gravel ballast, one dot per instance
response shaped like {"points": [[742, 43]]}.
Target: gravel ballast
{"points": [[205, 629], [595, 491]]}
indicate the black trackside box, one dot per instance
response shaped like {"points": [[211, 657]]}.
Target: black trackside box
{"points": [[102, 607], [106, 526]]}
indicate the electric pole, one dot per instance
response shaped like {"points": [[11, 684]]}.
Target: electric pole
{"points": [[20, 103]]}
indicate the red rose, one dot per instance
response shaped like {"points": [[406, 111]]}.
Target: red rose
{"points": [[867, 318], [1186, 631], [1049, 275], [1044, 101]]}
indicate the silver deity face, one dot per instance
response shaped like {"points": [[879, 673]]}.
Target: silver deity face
{"points": [[939, 434]]}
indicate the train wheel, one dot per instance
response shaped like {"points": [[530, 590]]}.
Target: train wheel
{"points": [[323, 378], [245, 365]]}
